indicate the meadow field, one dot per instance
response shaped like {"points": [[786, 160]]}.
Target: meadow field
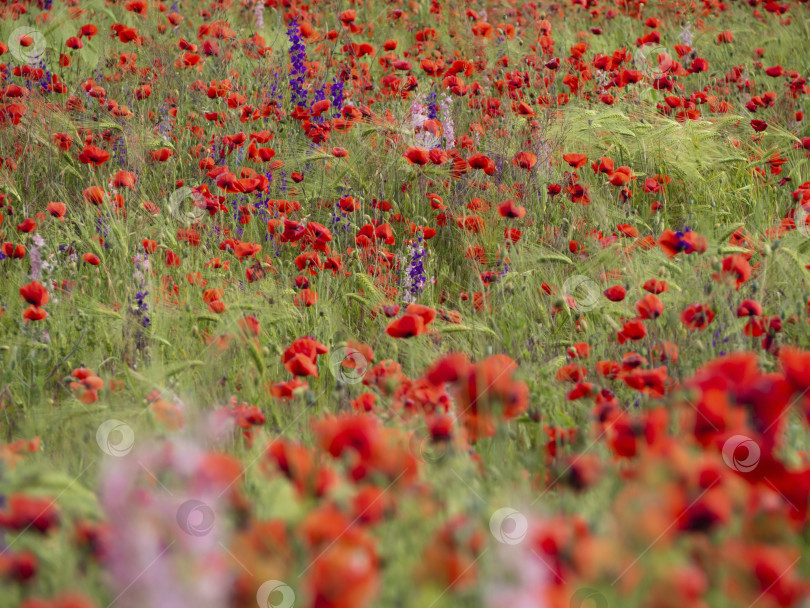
{"points": [[397, 304]]}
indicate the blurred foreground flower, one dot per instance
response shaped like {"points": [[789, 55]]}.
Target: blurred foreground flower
{"points": [[164, 506]]}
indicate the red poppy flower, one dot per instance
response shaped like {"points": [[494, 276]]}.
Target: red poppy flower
{"points": [[24, 512], [150, 207], [94, 195], [308, 349], [28, 225], [416, 155], [653, 382], [438, 157], [616, 293], [32, 313], [666, 351], [471, 223], [603, 165], [91, 155], [575, 160], [580, 350], [627, 230], [246, 250], [172, 259], [655, 286], [572, 372], [91, 258], [305, 297], [123, 179], [632, 330], [759, 125], [161, 154], [13, 251], [735, 267], [63, 141], [287, 390], [688, 242], [57, 209], [525, 160], [319, 107], [725, 37], [749, 308], [525, 110], [35, 294], [407, 326], [650, 307], [479, 161], [697, 317], [608, 369]]}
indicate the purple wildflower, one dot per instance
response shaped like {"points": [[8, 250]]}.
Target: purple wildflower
{"points": [[336, 92], [415, 278], [432, 106], [298, 55]]}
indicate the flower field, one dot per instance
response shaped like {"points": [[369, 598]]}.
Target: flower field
{"points": [[399, 304]]}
